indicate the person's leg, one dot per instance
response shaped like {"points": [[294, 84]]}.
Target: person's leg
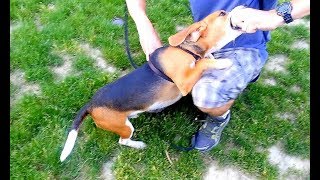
{"points": [[218, 111], [216, 91]]}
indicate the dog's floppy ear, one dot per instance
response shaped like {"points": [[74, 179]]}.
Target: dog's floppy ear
{"points": [[194, 31]]}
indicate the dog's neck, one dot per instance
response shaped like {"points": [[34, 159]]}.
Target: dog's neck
{"points": [[195, 56], [193, 47]]}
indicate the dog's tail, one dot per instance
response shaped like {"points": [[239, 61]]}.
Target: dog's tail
{"points": [[72, 136]]}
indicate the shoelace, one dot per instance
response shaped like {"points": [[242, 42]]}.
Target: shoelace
{"points": [[208, 131]]}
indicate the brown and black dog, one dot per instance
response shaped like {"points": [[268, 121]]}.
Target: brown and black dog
{"points": [[170, 73]]}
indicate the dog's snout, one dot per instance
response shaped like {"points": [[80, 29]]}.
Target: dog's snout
{"points": [[222, 13]]}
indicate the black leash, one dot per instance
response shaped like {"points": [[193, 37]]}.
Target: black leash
{"points": [[126, 37]]}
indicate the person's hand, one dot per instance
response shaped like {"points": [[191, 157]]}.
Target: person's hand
{"points": [[250, 20]]}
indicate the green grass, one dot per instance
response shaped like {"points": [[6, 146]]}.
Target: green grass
{"points": [[40, 123]]}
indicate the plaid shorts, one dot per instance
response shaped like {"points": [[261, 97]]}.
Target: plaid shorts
{"points": [[217, 87]]}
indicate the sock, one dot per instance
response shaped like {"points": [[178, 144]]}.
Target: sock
{"points": [[225, 114], [221, 118]]}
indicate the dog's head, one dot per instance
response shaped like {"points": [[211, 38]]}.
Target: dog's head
{"points": [[210, 34]]}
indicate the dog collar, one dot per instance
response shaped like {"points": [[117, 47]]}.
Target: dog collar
{"points": [[164, 76], [195, 56], [158, 72]]}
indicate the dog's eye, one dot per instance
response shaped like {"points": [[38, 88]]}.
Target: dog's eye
{"points": [[222, 13]]}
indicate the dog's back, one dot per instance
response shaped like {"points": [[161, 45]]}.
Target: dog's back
{"points": [[134, 91]]}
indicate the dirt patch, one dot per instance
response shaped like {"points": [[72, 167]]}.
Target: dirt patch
{"points": [[180, 27], [96, 54], [295, 88], [270, 82], [51, 7], [18, 80], [277, 63], [15, 26], [225, 173], [38, 23], [300, 44], [290, 167], [287, 116], [107, 172], [287, 163], [100, 61], [208, 160], [65, 69]]}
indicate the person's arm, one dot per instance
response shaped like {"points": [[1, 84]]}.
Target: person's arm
{"points": [[149, 38], [250, 20]]}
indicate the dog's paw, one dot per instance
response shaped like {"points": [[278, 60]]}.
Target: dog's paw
{"points": [[139, 145], [133, 144]]}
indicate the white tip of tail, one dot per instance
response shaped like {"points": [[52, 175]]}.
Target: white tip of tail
{"points": [[72, 136]]}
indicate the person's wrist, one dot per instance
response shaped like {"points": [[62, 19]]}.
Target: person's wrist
{"points": [[275, 19]]}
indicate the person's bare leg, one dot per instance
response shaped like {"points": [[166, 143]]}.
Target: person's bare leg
{"points": [[218, 111]]}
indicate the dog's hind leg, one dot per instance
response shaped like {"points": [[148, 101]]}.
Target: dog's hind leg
{"points": [[118, 123], [128, 141]]}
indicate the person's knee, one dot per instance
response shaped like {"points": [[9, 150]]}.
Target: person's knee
{"points": [[217, 111]]}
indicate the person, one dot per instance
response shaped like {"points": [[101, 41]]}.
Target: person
{"points": [[216, 91]]}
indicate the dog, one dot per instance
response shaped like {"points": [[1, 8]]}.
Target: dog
{"points": [[170, 74]]}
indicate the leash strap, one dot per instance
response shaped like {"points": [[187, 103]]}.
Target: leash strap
{"points": [[161, 74], [158, 72]]}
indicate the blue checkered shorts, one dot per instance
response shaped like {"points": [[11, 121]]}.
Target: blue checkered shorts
{"points": [[217, 87]]}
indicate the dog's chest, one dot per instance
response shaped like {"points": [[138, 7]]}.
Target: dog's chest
{"points": [[161, 105], [156, 106]]}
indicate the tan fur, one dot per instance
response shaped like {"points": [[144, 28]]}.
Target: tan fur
{"points": [[209, 30], [111, 120], [168, 92]]}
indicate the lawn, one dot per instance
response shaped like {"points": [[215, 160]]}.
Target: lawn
{"points": [[61, 52]]}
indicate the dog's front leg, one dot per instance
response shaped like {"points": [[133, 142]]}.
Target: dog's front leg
{"points": [[193, 74]]}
